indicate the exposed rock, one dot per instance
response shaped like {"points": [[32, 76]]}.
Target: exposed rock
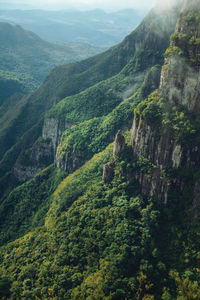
{"points": [[149, 142], [153, 185], [119, 144], [176, 156], [23, 173], [180, 84], [31, 162], [181, 76], [151, 82], [108, 172], [52, 130], [157, 145], [179, 87], [70, 161]]}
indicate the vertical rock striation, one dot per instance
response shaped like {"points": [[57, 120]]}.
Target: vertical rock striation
{"points": [[52, 131], [119, 143], [179, 93]]}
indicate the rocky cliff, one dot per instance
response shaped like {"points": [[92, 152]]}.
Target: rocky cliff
{"points": [[143, 50], [133, 234], [165, 126]]}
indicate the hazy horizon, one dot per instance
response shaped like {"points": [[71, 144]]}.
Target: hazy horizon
{"points": [[107, 5]]}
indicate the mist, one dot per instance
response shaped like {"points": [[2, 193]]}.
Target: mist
{"points": [[167, 4], [109, 5]]}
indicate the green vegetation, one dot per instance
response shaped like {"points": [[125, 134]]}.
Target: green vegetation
{"points": [[9, 87], [74, 237], [178, 40], [187, 44], [194, 41], [27, 205], [4, 287], [95, 101], [182, 124], [106, 242], [26, 58], [173, 50], [71, 80], [192, 18], [150, 109], [68, 80], [25, 81], [82, 141]]}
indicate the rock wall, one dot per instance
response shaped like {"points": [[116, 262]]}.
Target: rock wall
{"points": [[70, 161], [180, 78], [179, 86], [34, 161], [52, 131]]}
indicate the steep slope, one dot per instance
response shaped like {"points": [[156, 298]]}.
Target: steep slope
{"points": [[131, 55], [9, 87], [26, 58], [134, 235], [169, 120], [34, 203]]}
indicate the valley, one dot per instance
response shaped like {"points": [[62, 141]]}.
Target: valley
{"points": [[99, 171]]}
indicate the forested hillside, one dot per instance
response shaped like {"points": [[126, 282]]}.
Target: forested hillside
{"points": [[131, 65], [100, 186], [26, 59]]}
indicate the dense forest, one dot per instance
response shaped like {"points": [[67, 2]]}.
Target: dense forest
{"points": [[99, 171], [26, 59]]}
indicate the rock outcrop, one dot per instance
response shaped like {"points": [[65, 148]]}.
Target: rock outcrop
{"points": [[108, 172], [52, 131], [30, 163], [180, 89], [118, 148], [70, 161], [119, 144], [180, 77]]}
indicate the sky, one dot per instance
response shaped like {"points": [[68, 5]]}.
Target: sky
{"points": [[78, 4]]}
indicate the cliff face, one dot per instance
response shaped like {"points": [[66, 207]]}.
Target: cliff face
{"points": [[41, 154], [135, 58], [114, 240], [180, 76], [31, 162], [52, 131], [165, 129], [132, 61], [143, 50]]}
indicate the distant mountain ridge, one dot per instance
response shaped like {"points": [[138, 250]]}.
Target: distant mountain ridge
{"points": [[131, 56], [95, 27], [107, 221], [25, 59]]}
